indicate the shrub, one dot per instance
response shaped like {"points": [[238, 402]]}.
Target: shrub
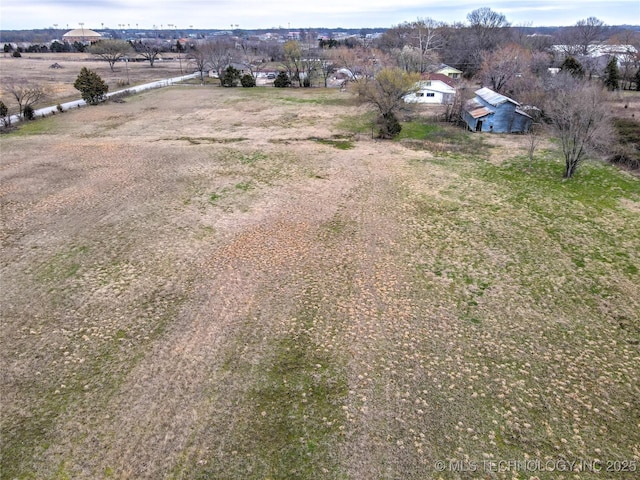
{"points": [[4, 114], [388, 125], [28, 113], [16, 54], [230, 77], [306, 82], [59, 108], [91, 86], [248, 81], [282, 80]]}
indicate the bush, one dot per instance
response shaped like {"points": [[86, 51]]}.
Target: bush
{"points": [[28, 113], [388, 125], [16, 54], [4, 114], [282, 80], [306, 82], [230, 77], [91, 86], [59, 108], [248, 81]]}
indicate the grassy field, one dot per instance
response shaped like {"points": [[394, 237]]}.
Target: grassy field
{"points": [[207, 283], [36, 68]]}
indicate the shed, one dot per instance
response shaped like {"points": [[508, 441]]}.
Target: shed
{"points": [[492, 112]]}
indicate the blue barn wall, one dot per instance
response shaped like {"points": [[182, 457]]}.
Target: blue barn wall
{"points": [[503, 117]]}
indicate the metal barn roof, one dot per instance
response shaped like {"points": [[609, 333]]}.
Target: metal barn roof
{"points": [[493, 98]]}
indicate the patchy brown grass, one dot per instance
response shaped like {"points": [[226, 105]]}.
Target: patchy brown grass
{"points": [[58, 82], [197, 283]]}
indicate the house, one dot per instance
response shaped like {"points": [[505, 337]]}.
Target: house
{"points": [[449, 71], [492, 112], [433, 88]]}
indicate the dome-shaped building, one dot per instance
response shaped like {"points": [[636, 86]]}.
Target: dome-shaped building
{"points": [[82, 35]]}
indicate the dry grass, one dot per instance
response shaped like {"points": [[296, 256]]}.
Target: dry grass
{"points": [[58, 82], [195, 286]]}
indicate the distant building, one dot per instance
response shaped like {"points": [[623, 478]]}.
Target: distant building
{"points": [[449, 71], [82, 35]]}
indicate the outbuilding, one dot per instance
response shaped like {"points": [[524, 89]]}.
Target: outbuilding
{"points": [[492, 112]]}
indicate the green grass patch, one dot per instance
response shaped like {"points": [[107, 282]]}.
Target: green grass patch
{"points": [[62, 265], [244, 186], [339, 143], [252, 158], [363, 123], [418, 131], [39, 126]]}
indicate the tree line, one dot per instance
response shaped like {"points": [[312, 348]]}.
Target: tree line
{"points": [[487, 49]]}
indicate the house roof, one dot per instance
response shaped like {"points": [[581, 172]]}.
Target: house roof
{"points": [[445, 67], [438, 76], [494, 98]]}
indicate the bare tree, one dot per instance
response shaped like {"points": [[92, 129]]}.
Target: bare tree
{"points": [[534, 138], [217, 54], [293, 60], [587, 32], [580, 118], [198, 59], [428, 40], [252, 56], [362, 62], [325, 65], [414, 45], [489, 29], [111, 50], [149, 50], [502, 66], [25, 93]]}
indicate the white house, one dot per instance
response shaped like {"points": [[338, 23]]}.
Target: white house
{"points": [[433, 88]]}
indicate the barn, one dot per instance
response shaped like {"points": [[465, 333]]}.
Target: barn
{"points": [[489, 111]]}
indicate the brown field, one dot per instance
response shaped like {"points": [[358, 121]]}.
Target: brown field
{"points": [[241, 284], [35, 67]]}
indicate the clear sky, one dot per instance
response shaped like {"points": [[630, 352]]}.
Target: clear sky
{"points": [[254, 14]]}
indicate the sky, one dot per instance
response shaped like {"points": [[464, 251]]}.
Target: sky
{"points": [[292, 14]]}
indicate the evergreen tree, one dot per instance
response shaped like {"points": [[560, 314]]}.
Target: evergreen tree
{"points": [[230, 77], [282, 80], [4, 114], [248, 81], [29, 113], [612, 74], [91, 86], [572, 66]]}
